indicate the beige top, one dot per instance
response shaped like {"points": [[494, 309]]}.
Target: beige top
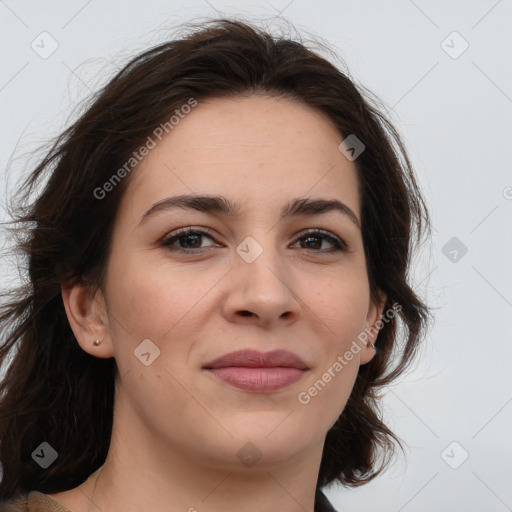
{"points": [[34, 501], [39, 502]]}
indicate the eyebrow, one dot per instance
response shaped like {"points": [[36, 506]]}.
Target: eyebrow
{"points": [[221, 205]]}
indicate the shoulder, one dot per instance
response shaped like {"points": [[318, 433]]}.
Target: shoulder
{"points": [[33, 501]]}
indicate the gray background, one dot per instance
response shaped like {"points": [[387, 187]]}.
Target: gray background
{"points": [[454, 112]]}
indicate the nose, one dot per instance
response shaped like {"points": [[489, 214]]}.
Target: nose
{"points": [[262, 292]]}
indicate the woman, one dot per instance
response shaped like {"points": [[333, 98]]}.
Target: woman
{"points": [[217, 270]]}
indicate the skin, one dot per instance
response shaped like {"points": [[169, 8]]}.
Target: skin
{"points": [[177, 429]]}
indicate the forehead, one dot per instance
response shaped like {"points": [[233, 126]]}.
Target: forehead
{"points": [[256, 150]]}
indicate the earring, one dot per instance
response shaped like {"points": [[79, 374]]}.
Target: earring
{"points": [[97, 342], [373, 346]]}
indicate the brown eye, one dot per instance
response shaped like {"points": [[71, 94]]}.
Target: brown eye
{"points": [[189, 239], [313, 240]]}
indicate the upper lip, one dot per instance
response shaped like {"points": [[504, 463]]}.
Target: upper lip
{"points": [[256, 359]]}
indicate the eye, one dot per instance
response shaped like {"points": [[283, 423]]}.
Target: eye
{"points": [[189, 238], [312, 237]]}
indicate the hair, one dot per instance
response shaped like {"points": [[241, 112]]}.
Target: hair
{"points": [[54, 391]]}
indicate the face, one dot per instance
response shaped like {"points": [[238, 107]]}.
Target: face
{"points": [[268, 273]]}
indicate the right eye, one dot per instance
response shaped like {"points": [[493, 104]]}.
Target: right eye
{"points": [[189, 236]]}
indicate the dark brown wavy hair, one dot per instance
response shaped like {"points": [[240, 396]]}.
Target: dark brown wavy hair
{"points": [[52, 390]]}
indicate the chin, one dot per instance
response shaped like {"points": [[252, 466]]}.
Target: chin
{"points": [[258, 447]]}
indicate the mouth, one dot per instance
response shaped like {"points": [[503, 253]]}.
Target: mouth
{"points": [[255, 371]]}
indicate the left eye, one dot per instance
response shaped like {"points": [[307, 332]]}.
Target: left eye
{"points": [[319, 234], [190, 240]]}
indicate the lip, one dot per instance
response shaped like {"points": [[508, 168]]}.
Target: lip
{"points": [[256, 359], [251, 370]]}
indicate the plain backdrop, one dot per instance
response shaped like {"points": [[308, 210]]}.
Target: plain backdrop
{"points": [[442, 69]]}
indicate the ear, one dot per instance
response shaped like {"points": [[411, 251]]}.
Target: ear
{"points": [[87, 316], [373, 325]]}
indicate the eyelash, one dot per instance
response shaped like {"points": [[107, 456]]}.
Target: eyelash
{"points": [[339, 245]]}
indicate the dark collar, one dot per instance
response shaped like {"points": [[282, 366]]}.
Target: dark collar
{"points": [[322, 504]]}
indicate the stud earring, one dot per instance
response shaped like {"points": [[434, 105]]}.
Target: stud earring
{"points": [[97, 342]]}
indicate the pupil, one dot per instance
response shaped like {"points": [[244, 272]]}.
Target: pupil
{"points": [[189, 239], [309, 238]]}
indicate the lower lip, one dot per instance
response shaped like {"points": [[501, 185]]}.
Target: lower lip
{"points": [[258, 379]]}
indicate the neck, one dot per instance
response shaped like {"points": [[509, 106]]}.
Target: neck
{"points": [[144, 471]]}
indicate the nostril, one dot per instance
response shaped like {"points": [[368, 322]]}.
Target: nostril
{"points": [[245, 313]]}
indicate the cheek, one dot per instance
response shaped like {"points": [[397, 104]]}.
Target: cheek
{"points": [[150, 300], [325, 395], [159, 303], [343, 303], [342, 306]]}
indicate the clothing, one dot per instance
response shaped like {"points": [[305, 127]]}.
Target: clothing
{"points": [[322, 504], [36, 501]]}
